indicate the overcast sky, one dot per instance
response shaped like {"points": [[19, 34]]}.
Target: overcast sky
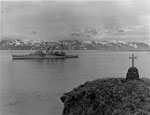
{"points": [[46, 19]]}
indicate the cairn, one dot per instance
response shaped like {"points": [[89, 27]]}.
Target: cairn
{"points": [[132, 73]]}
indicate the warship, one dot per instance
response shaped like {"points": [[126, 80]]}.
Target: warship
{"points": [[48, 54]]}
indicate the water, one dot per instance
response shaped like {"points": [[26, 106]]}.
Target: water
{"points": [[34, 87]]}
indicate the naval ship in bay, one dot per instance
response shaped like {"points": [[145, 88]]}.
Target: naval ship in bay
{"points": [[46, 54]]}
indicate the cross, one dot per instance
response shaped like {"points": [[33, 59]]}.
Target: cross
{"points": [[132, 59]]}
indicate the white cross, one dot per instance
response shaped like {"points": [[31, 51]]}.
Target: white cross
{"points": [[132, 59]]}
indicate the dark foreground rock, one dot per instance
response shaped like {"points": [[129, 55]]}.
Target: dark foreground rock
{"points": [[112, 96]]}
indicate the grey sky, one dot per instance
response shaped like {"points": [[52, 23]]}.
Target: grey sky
{"points": [[46, 19]]}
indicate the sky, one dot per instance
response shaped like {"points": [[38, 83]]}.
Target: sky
{"points": [[52, 20]]}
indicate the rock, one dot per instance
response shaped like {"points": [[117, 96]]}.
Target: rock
{"points": [[112, 96], [132, 74]]}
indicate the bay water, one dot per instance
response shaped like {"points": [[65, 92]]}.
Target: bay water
{"points": [[34, 86]]}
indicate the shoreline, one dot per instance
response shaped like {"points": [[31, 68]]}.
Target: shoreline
{"points": [[115, 96]]}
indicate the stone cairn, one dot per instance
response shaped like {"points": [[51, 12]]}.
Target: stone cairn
{"points": [[132, 73]]}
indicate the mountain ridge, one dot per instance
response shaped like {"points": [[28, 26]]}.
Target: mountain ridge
{"points": [[71, 44]]}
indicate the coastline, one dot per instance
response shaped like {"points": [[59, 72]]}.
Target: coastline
{"points": [[115, 96]]}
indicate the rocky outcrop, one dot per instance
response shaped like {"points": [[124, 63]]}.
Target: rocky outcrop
{"points": [[111, 96]]}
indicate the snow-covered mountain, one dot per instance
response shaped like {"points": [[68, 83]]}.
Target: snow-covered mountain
{"points": [[22, 44]]}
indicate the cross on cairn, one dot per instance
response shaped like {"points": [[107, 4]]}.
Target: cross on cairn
{"points": [[132, 59]]}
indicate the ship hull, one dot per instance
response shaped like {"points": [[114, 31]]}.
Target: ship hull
{"points": [[42, 57], [71, 56]]}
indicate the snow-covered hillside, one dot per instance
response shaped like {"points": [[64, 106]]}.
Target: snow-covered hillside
{"points": [[22, 44]]}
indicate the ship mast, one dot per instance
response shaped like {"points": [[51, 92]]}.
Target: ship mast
{"points": [[62, 46]]}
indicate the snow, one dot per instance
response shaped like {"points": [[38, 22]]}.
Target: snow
{"points": [[17, 43], [87, 42], [37, 43]]}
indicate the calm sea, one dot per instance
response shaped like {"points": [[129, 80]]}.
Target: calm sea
{"points": [[34, 87]]}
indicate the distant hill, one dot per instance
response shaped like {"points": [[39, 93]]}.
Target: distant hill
{"points": [[22, 44], [111, 96]]}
